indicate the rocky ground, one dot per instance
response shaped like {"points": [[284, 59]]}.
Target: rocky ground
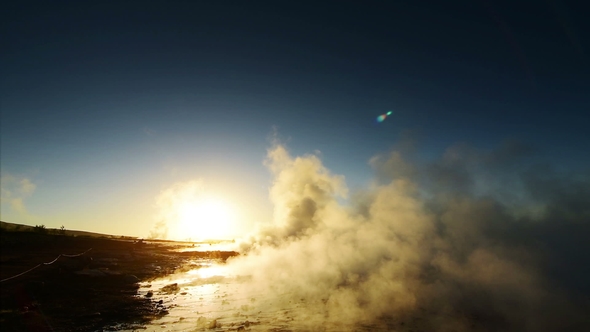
{"points": [[90, 292]]}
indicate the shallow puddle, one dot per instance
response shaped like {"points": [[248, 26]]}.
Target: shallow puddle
{"points": [[212, 298], [205, 298]]}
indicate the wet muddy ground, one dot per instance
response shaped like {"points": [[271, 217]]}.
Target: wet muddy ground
{"points": [[95, 291]]}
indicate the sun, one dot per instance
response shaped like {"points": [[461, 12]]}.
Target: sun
{"points": [[205, 218]]}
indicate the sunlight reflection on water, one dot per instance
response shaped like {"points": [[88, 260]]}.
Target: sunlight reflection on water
{"points": [[222, 246], [213, 298], [206, 298], [209, 271]]}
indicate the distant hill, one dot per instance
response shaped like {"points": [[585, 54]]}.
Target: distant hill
{"points": [[12, 227]]}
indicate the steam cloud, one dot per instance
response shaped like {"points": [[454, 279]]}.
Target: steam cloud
{"points": [[474, 241], [14, 190]]}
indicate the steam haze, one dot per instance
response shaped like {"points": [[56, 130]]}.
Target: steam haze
{"points": [[150, 119], [427, 243]]}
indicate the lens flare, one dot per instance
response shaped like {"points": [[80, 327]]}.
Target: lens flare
{"points": [[382, 117]]}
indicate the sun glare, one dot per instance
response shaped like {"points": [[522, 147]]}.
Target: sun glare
{"points": [[205, 218]]}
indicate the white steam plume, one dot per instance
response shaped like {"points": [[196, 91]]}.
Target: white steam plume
{"points": [[427, 247]]}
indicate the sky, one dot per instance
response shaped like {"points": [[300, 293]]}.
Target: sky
{"points": [[257, 121], [116, 115]]}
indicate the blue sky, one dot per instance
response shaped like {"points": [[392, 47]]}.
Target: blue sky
{"points": [[105, 105]]}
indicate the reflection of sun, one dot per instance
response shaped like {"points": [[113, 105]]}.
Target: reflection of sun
{"points": [[205, 218]]}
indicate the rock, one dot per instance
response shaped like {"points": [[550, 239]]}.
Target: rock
{"points": [[149, 294], [201, 322], [170, 289]]}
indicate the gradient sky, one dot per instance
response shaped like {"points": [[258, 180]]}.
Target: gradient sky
{"points": [[107, 104]]}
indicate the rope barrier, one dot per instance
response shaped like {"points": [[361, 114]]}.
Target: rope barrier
{"points": [[48, 263]]}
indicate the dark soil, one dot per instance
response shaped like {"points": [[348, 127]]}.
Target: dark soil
{"points": [[91, 292]]}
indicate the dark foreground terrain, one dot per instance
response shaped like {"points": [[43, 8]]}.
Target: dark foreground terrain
{"points": [[92, 291]]}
